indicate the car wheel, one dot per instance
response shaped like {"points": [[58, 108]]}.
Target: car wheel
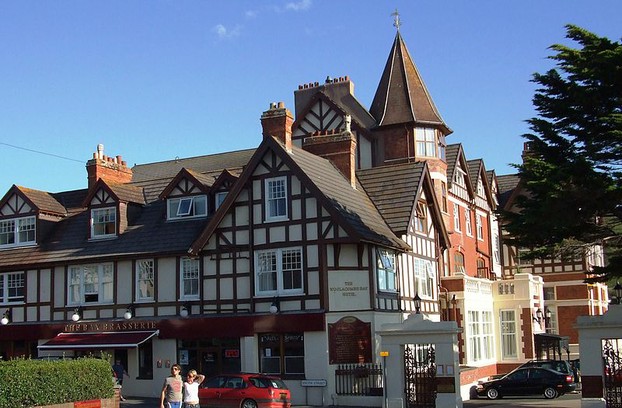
{"points": [[550, 393], [249, 403], [492, 393]]}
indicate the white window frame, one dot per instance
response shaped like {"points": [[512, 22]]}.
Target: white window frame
{"points": [[480, 188], [425, 277], [145, 280], [425, 139], [457, 218], [276, 204], [385, 270], [101, 220], [181, 208], [421, 217], [92, 283], [219, 198], [480, 335], [279, 271], [552, 322], [479, 226], [12, 287], [459, 177], [507, 327], [467, 222], [189, 278], [18, 232]]}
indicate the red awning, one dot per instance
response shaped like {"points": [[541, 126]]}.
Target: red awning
{"points": [[103, 340]]}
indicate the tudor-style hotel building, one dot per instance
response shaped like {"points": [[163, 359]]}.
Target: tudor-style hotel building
{"points": [[287, 258]]}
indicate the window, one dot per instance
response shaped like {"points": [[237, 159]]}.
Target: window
{"points": [[103, 222], [459, 177], [480, 188], [551, 322], [425, 277], [508, 335], [187, 207], [282, 354], [495, 249], [279, 271], [480, 227], [276, 198], [480, 336], [18, 231], [145, 279], [11, 287], [444, 196], [458, 262], [385, 270], [189, 278], [90, 283], [421, 216], [457, 218], [467, 222], [426, 142], [145, 360], [220, 198], [549, 293]]}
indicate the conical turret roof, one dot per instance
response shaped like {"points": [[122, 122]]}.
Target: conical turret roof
{"points": [[401, 96]]}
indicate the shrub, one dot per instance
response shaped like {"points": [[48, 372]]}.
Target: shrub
{"points": [[27, 383]]}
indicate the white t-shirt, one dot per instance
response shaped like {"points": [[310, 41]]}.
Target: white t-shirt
{"points": [[191, 391]]}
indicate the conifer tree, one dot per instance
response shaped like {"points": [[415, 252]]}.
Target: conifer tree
{"points": [[571, 173]]}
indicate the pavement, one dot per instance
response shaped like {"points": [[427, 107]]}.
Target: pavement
{"points": [[565, 401]]}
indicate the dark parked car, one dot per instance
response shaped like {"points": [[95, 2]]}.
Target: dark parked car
{"points": [[561, 366], [244, 391], [555, 365], [528, 381]]}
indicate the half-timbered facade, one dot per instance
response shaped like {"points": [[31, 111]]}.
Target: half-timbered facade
{"points": [[286, 258]]}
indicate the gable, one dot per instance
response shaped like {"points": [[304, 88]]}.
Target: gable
{"points": [[14, 205]]}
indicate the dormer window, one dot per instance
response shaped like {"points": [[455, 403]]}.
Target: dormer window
{"points": [[459, 177], [187, 207], [18, 231], [103, 222], [220, 198]]}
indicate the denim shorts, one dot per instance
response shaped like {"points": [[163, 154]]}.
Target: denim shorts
{"points": [[173, 404]]}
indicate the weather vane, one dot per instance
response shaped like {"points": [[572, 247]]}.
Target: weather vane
{"points": [[396, 19]]}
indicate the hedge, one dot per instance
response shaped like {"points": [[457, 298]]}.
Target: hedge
{"points": [[28, 383]]}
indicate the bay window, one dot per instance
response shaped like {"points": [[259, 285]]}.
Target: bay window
{"points": [[90, 283]]}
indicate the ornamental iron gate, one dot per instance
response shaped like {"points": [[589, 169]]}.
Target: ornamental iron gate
{"points": [[420, 373], [612, 375]]}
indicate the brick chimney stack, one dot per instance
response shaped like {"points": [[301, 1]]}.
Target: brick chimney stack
{"points": [[277, 121], [108, 168], [338, 146]]}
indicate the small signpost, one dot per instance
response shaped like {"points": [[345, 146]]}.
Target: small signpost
{"points": [[384, 355], [313, 383]]}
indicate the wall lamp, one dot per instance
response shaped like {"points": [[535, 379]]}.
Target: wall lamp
{"points": [[417, 303], [538, 316], [77, 313], [276, 305], [6, 317], [185, 310], [130, 312]]}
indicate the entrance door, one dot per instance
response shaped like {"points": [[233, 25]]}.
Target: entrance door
{"points": [[210, 361]]}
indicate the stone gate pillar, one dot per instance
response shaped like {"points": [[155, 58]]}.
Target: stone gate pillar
{"points": [[592, 330], [418, 329]]}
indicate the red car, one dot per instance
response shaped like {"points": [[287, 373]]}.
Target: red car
{"points": [[244, 391]]}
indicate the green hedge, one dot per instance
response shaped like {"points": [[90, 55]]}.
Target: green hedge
{"points": [[28, 383]]}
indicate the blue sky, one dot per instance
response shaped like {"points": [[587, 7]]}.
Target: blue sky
{"points": [[157, 79]]}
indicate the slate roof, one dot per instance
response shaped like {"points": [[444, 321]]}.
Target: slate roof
{"points": [[507, 184], [393, 189], [402, 96], [148, 234], [44, 201], [351, 207]]}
